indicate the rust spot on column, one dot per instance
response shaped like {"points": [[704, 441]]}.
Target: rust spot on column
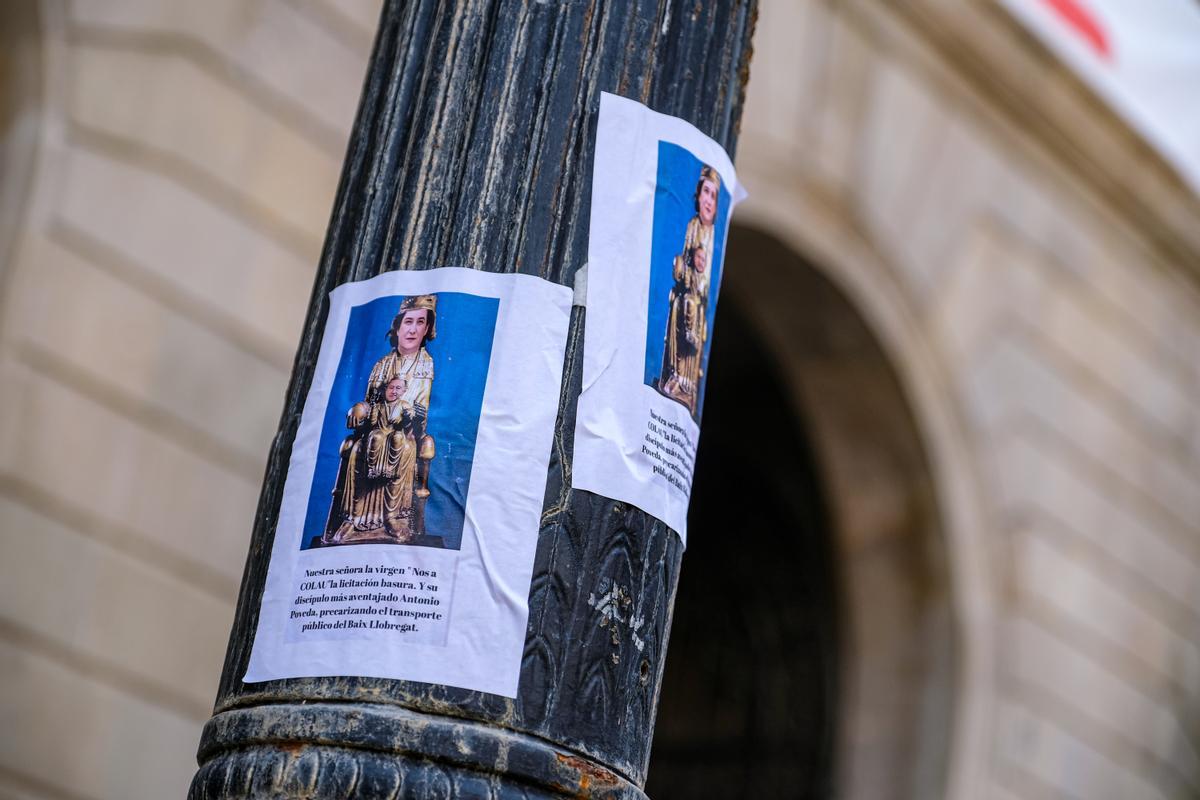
{"points": [[591, 776]]}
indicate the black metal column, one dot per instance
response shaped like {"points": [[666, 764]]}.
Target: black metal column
{"points": [[473, 147]]}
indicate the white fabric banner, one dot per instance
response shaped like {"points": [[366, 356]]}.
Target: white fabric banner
{"points": [[662, 195], [1141, 56], [405, 542]]}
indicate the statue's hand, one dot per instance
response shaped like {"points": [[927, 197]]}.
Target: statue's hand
{"points": [[358, 415]]}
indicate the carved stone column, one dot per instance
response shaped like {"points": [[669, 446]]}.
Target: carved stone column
{"points": [[473, 147]]}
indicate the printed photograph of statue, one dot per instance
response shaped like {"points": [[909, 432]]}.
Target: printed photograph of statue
{"points": [[381, 487], [397, 440], [687, 318], [687, 245]]}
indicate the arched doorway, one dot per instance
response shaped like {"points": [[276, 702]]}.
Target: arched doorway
{"points": [[812, 651], [748, 705]]}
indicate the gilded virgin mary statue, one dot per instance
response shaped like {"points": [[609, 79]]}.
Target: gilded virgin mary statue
{"points": [[381, 485], [687, 319]]}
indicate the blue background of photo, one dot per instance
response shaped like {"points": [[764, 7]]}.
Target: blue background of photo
{"points": [[674, 207], [466, 326]]}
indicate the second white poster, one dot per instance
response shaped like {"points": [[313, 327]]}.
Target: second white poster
{"points": [[662, 195]]}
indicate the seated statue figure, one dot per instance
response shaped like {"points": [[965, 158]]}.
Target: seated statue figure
{"points": [[381, 485], [687, 317]]}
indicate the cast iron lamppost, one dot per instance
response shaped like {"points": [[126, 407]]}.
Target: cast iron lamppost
{"points": [[473, 147]]}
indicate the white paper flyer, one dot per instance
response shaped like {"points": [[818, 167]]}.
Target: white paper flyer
{"points": [[410, 513], [662, 195]]}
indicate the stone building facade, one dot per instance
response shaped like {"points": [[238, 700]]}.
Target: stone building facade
{"points": [[1029, 270], [978, 289], [177, 183]]}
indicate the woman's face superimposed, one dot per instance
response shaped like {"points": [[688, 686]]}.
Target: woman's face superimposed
{"points": [[708, 202], [410, 333], [700, 259], [394, 389]]}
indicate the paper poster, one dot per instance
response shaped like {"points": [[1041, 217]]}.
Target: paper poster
{"points": [[410, 513], [662, 195]]}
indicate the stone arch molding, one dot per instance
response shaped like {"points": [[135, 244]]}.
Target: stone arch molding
{"points": [[919, 533]]}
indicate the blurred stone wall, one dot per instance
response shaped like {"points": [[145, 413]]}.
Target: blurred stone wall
{"points": [[185, 167], [1031, 270]]}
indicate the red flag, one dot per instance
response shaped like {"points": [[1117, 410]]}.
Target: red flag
{"points": [[1085, 23]]}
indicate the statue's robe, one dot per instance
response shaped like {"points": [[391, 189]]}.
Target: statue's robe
{"points": [[687, 319], [373, 496]]}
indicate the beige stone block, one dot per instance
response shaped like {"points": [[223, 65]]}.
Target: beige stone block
{"points": [[1080, 242], [170, 106], [972, 310], [362, 13], [149, 355], [1176, 482], [201, 251], [86, 597], [846, 79], [270, 40], [1189, 339], [949, 197], [1033, 744], [1074, 241], [1028, 206], [101, 463], [967, 309], [1032, 480], [66, 729], [902, 127], [1018, 381], [1192, 446], [1161, 305], [995, 792], [1001, 384], [1140, 720], [790, 41], [1096, 600], [1149, 383], [14, 788]]}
